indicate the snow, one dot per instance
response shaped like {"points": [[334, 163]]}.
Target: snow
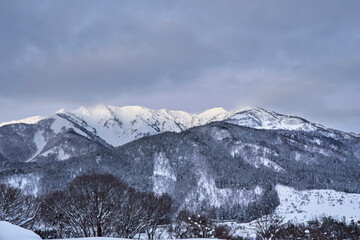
{"points": [[301, 206], [62, 155], [221, 134], [26, 182], [164, 176], [120, 125], [60, 124], [62, 110], [255, 155], [95, 238], [317, 141], [206, 189], [256, 117], [162, 167], [10, 231], [30, 120], [109, 238], [214, 114], [40, 143], [58, 151]]}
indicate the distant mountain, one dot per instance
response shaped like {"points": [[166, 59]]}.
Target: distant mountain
{"points": [[69, 134]]}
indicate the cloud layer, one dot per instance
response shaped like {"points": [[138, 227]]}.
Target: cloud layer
{"points": [[295, 57]]}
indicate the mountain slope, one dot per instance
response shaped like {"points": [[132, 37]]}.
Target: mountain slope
{"points": [[50, 139], [226, 169], [108, 126], [262, 119]]}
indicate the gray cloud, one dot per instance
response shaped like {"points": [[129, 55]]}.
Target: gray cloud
{"points": [[296, 57]]}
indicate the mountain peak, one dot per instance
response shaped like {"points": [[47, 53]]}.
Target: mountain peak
{"points": [[215, 110], [257, 117], [60, 111], [214, 114], [29, 120], [251, 109], [99, 109]]}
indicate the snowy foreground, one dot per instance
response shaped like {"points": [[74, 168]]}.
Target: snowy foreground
{"points": [[106, 238], [10, 231]]}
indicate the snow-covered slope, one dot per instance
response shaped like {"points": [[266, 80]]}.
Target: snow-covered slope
{"points": [[110, 126], [302, 206], [256, 117], [30, 120], [95, 238], [120, 125], [299, 207]]}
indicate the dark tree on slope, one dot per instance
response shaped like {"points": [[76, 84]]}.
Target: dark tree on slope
{"points": [[17, 208], [131, 216], [158, 209], [51, 214]]}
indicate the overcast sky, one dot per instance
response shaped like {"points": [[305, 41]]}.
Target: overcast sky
{"points": [[294, 57]]}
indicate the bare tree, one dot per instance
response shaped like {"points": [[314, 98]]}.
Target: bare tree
{"points": [[88, 207], [95, 197], [268, 225], [157, 209], [51, 213], [102, 205], [16, 207], [132, 217], [189, 225]]}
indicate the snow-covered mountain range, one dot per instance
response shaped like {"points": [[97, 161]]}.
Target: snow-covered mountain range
{"points": [[227, 162], [104, 126]]}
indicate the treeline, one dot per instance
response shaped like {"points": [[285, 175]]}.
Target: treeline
{"points": [[92, 205], [263, 204], [325, 228]]}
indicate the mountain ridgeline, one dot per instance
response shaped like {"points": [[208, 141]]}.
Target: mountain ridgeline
{"points": [[219, 163]]}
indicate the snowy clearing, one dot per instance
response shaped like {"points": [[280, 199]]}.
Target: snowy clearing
{"points": [[302, 206]]}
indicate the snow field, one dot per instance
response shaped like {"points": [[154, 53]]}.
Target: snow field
{"points": [[302, 206], [10, 231]]}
